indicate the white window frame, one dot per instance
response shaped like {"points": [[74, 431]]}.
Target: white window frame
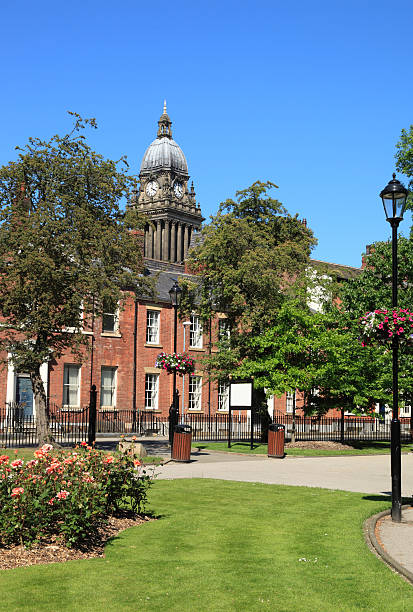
{"points": [[151, 391], [195, 393], [289, 402], [223, 396], [153, 318], [111, 388], [68, 387], [115, 316], [195, 333], [224, 331]]}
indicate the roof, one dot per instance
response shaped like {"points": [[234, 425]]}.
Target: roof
{"points": [[165, 279], [341, 271], [164, 154]]}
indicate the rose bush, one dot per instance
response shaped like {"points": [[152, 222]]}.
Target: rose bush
{"points": [[66, 494]]}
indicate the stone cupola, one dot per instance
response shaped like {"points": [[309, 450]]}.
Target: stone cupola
{"points": [[165, 199]]}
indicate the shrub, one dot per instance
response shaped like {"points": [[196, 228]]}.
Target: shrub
{"points": [[66, 494]]}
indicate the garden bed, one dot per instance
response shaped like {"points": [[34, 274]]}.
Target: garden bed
{"points": [[314, 444], [54, 552]]}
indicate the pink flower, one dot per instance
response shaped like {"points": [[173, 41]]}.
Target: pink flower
{"points": [[108, 459], [16, 463], [4, 459], [54, 467], [63, 495], [83, 444], [51, 501], [17, 491], [47, 447], [136, 462]]}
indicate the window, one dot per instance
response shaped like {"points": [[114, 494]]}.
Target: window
{"points": [[151, 391], [195, 393], [195, 332], [223, 396], [110, 317], [152, 326], [71, 384], [223, 329], [108, 387], [289, 403]]}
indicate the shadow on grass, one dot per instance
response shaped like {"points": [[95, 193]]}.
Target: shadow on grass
{"points": [[386, 495]]}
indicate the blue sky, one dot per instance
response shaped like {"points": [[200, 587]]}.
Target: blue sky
{"points": [[310, 95]]}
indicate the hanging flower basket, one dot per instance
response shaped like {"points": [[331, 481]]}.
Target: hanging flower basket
{"points": [[180, 363], [380, 326]]}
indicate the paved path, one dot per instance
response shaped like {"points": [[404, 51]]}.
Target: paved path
{"points": [[397, 539], [363, 474]]}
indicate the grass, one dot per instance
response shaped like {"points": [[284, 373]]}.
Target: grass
{"points": [[230, 547], [359, 448]]}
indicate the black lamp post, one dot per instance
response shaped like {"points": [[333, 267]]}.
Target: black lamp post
{"points": [[175, 297], [394, 201]]}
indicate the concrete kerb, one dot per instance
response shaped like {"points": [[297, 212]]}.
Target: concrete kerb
{"points": [[369, 528]]}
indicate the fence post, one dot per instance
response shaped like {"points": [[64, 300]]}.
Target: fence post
{"points": [[342, 427], [92, 415]]}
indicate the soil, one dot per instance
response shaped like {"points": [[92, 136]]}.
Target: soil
{"points": [[319, 445], [54, 552]]}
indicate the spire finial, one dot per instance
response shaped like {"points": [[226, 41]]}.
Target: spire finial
{"points": [[164, 124]]}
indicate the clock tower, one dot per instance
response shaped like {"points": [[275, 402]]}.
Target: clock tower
{"points": [[165, 198]]}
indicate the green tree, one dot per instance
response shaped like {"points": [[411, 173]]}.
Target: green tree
{"points": [[305, 350], [250, 257], [404, 159], [66, 247], [372, 290]]}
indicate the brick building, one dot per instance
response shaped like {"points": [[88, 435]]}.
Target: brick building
{"points": [[125, 343]]}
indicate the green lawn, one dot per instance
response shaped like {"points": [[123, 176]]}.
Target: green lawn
{"points": [[362, 448], [230, 547]]}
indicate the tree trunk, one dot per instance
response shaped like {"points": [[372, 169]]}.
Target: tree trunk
{"points": [[44, 435]]}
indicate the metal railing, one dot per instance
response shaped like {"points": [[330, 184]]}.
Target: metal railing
{"points": [[70, 426]]}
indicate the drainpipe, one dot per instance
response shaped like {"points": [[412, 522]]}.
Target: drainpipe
{"points": [[135, 341]]}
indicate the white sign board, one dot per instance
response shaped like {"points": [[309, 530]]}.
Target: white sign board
{"points": [[241, 395]]}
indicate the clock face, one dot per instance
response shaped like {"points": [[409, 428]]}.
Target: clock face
{"points": [[151, 188], [179, 190]]}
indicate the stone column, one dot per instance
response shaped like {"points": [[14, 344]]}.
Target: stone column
{"points": [[186, 234], [166, 241], [150, 241], [146, 247], [158, 239], [179, 244], [173, 241]]}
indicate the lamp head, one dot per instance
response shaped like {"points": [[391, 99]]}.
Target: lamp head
{"points": [[175, 294], [394, 197]]}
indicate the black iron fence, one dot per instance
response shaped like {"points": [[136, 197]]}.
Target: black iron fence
{"points": [[19, 429], [347, 429], [70, 426]]}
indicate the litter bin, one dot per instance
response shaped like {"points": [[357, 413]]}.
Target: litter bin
{"points": [[181, 447], [276, 434]]}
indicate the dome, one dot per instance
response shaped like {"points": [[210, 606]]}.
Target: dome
{"points": [[164, 154]]}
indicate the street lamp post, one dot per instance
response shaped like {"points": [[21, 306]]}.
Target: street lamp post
{"points": [[175, 297], [394, 201]]}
